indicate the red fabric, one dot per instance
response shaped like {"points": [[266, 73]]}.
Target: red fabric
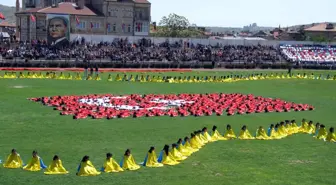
{"points": [[195, 105], [32, 18], [2, 16], [77, 20]]}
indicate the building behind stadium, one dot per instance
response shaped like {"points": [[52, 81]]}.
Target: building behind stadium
{"points": [[95, 17]]}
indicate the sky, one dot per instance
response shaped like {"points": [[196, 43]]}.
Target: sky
{"points": [[238, 13]]}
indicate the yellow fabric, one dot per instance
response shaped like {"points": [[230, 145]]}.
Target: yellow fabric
{"points": [[87, 169], [282, 131], [217, 136], [33, 164], [184, 150], [188, 146], [229, 134], [203, 139], [13, 161], [129, 163], [311, 129], [194, 144], [199, 140], [178, 155], [261, 134], [245, 135], [208, 137], [331, 137], [111, 166], [295, 128], [274, 134], [169, 159], [304, 127], [289, 129], [322, 134], [152, 160], [55, 168]]}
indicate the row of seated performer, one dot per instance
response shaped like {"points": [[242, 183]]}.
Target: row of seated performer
{"points": [[179, 151]]}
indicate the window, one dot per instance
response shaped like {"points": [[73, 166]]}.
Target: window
{"points": [[113, 12], [114, 27], [141, 27], [95, 25], [145, 27], [129, 28], [108, 27], [81, 25], [140, 14]]}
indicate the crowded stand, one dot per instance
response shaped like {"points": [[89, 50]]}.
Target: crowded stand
{"points": [[144, 50], [309, 54]]}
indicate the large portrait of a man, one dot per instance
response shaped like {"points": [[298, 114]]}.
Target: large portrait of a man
{"points": [[58, 30]]}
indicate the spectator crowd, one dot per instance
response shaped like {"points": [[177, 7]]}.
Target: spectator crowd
{"points": [[145, 50]]}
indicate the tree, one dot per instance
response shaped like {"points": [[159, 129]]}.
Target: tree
{"points": [[175, 25]]}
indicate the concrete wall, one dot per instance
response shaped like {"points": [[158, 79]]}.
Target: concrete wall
{"points": [[157, 40]]}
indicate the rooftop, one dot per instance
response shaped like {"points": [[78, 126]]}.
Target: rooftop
{"points": [[63, 8], [6, 24]]}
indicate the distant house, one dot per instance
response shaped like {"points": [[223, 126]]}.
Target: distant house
{"points": [[6, 30], [95, 17], [326, 30], [261, 34]]}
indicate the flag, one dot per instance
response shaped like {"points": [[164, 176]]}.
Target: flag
{"points": [[77, 20], [32, 18], [2, 16]]}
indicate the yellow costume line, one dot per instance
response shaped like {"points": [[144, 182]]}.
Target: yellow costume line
{"points": [[165, 79], [175, 156]]}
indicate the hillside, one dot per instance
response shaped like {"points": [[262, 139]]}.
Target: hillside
{"points": [[8, 12]]}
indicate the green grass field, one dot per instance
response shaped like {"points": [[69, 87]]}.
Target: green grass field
{"points": [[298, 159]]}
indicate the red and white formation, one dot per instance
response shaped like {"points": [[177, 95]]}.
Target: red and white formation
{"points": [[135, 105]]}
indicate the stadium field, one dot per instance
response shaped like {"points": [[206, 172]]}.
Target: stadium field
{"points": [[298, 159]]}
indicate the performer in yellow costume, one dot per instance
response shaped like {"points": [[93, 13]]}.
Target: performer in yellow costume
{"points": [[229, 133], [261, 134], [110, 165], [166, 157], [272, 133], [176, 154], [282, 130], [216, 135], [200, 137], [317, 128], [151, 159], [182, 149], [188, 146], [294, 127], [331, 137], [304, 126], [311, 128], [13, 160], [245, 134], [322, 133], [194, 143], [128, 162], [206, 134], [56, 167], [35, 163], [109, 78], [86, 168]]}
